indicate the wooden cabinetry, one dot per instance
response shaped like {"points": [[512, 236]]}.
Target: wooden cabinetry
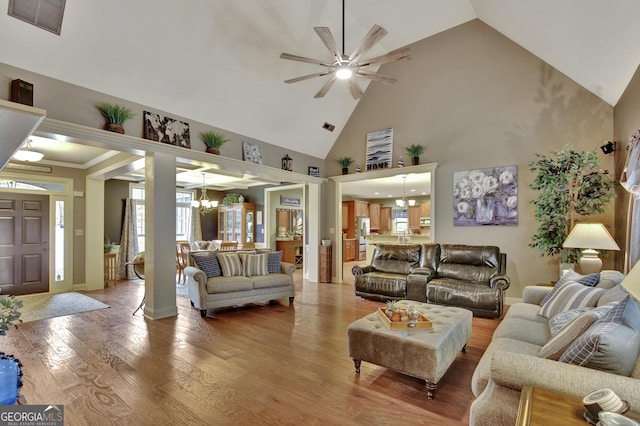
{"points": [[235, 223], [374, 216], [325, 264], [292, 251], [361, 208], [350, 210], [385, 218], [349, 248], [425, 208], [414, 217]]}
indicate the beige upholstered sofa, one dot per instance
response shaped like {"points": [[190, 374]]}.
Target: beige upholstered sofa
{"points": [[211, 288], [511, 360]]}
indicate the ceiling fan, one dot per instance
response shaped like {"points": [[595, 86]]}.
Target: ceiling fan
{"points": [[344, 67]]}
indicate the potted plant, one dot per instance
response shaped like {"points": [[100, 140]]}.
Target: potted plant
{"points": [[345, 162], [213, 141], [390, 307], [231, 198], [570, 183], [116, 115], [11, 379], [415, 151]]}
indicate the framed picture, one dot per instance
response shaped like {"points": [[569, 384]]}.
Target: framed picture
{"points": [[314, 171], [486, 196], [379, 149], [166, 130], [251, 153], [288, 200]]}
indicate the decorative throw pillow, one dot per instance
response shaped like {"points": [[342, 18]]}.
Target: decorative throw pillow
{"points": [[208, 264], [571, 276], [611, 343], [230, 264], [562, 319], [555, 347], [570, 296], [273, 262], [254, 264]]}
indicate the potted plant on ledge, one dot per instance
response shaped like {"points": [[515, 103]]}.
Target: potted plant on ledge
{"points": [[116, 115], [345, 162], [213, 141], [415, 151]]}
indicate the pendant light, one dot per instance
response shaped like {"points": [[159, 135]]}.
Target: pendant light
{"points": [[26, 154], [203, 204]]}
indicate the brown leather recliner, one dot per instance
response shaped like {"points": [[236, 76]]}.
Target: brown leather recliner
{"points": [[472, 277]]}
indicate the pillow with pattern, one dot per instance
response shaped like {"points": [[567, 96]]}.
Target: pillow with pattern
{"points": [[273, 262], [230, 264], [570, 296], [254, 264], [590, 280], [208, 264]]}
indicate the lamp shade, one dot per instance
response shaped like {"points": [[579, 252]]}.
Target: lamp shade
{"points": [[632, 281], [590, 236]]}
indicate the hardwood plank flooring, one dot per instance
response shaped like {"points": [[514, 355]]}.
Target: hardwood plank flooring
{"points": [[259, 364]]}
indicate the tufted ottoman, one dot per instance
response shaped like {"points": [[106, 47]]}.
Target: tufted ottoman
{"points": [[425, 354]]}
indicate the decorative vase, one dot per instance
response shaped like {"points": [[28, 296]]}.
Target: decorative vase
{"points": [[211, 150], [116, 128], [396, 316], [345, 170], [241, 199], [9, 380], [415, 161], [484, 210]]}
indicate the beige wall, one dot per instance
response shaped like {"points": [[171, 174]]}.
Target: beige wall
{"points": [[626, 123], [475, 99]]}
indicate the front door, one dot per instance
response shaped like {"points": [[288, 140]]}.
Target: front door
{"points": [[24, 243]]}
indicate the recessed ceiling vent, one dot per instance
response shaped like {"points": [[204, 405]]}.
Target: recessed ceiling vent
{"points": [[328, 126], [45, 14]]}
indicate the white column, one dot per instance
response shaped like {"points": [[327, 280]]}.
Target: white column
{"points": [[312, 256], [160, 240], [93, 234]]}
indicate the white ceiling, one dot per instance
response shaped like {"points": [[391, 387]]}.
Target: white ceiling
{"points": [[217, 61]]}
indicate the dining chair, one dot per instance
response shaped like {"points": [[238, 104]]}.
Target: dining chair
{"points": [[228, 245], [182, 259]]}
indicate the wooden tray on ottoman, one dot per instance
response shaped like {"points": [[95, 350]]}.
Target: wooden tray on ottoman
{"points": [[422, 323]]}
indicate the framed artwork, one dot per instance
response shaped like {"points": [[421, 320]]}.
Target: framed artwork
{"points": [[379, 149], [314, 171], [251, 153], [486, 197], [288, 200], [166, 130]]}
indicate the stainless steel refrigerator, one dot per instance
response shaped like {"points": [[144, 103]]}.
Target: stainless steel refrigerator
{"points": [[363, 227]]}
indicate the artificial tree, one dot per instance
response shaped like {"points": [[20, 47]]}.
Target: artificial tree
{"points": [[570, 183]]}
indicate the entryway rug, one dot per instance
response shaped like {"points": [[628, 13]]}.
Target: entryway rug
{"points": [[42, 306]]}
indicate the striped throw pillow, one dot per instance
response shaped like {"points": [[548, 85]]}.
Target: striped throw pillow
{"points": [[230, 264], [555, 347], [590, 280], [570, 296], [254, 264]]}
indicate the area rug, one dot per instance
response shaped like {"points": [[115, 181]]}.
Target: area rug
{"points": [[43, 306]]}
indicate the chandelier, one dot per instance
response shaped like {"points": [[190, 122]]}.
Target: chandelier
{"points": [[203, 204], [404, 203], [27, 155]]}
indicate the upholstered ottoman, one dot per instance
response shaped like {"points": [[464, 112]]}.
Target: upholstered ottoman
{"points": [[425, 354]]}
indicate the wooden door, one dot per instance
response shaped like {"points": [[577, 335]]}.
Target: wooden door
{"points": [[24, 243]]}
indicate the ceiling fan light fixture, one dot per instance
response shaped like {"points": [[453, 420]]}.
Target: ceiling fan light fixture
{"points": [[344, 73]]}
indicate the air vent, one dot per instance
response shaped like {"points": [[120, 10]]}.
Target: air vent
{"points": [[328, 126], [45, 14]]}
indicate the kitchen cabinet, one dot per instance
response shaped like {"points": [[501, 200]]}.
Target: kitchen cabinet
{"points": [[292, 251], [374, 216], [425, 208], [345, 217], [235, 223], [349, 248], [385, 218], [361, 208], [350, 210], [414, 217]]}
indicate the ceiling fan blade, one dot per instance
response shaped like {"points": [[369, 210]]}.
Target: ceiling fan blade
{"points": [[356, 92], [376, 76], [303, 59], [401, 54], [373, 36], [323, 91], [325, 35], [305, 77]]}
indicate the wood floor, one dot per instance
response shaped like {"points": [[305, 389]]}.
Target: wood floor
{"points": [[253, 365]]}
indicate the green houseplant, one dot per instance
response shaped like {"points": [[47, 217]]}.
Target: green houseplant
{"points": [[345, 162], [569, 183], [116, 115], [415, 151], [213, 141], [231, 198]]}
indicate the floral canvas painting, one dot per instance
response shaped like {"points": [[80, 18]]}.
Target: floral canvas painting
{"points": [[486, 197]]}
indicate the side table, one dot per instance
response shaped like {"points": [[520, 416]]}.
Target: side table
{"points": [[325, 264], [540, 406]]}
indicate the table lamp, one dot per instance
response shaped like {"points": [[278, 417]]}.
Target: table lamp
{"points": [[632, 281], [590, 237]]}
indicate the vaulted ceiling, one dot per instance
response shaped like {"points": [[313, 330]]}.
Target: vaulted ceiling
{"points": [[217, 61]]}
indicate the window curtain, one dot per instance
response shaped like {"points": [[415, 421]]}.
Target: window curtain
{"points": [[128, 240], [195, 232], [630, 180]]}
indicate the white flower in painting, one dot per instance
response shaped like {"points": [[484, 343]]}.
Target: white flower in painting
{"points": [[506, 178], [477, 191], [463, 207], [465, 193], [464, 182], [490, 184], [476, 176], [512, 202]]}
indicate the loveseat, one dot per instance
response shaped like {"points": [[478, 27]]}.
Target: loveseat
{"points": [[472, 277], [523, 351], [227, 279]]}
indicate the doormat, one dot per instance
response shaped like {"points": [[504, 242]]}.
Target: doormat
{"points": [[43, 306]]}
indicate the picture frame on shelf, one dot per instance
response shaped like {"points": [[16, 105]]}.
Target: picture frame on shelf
{"points": [[314, 171], [251, 153], [166, 130]]}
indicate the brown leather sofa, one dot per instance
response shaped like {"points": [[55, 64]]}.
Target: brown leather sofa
{"points": [[472, 277]]}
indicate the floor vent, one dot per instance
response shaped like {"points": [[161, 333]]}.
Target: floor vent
{"points": [[45, 14]]}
